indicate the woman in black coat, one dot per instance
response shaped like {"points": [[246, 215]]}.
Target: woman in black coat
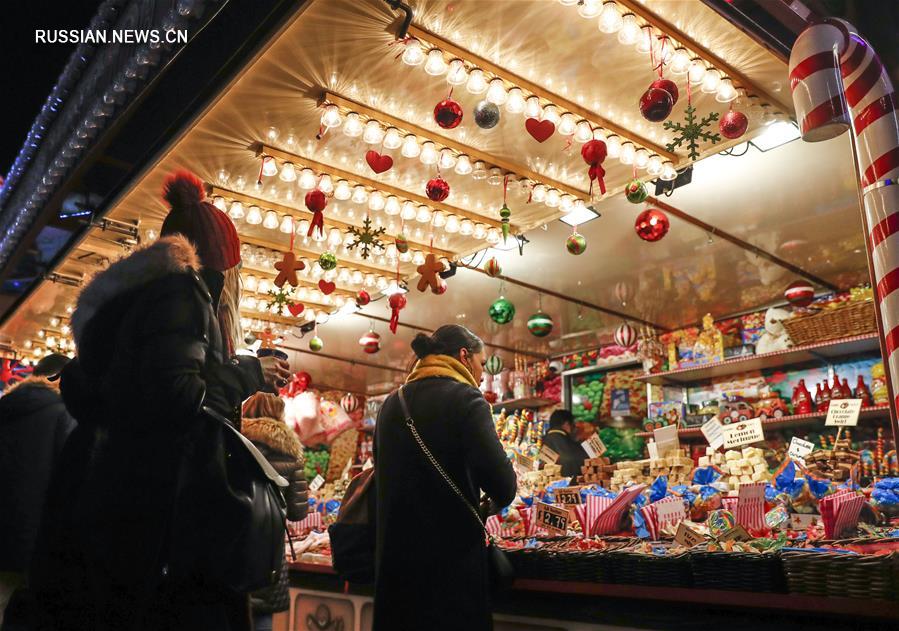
{"points": [[136, 525], [430, 556]]}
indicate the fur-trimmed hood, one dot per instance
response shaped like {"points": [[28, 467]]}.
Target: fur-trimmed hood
{"points": [[273, 434], [28, 395], [169, 255]]}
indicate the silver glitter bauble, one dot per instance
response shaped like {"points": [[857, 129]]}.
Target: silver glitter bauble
{"points": [[486, 115]]}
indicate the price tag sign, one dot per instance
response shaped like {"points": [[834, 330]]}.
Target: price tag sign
{"points": [[594, 446], [799, 449], [737, 533], [713, 431], [843, 412], [688, 537], [527, 463], [569, 495], [743, 433], [553, 519], [547, 455], [666, 439], [317, 483], [368, 465], [801, 521]]}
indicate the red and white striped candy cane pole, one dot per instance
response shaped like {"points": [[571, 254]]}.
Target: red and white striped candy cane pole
{"points": [[838, 81]]}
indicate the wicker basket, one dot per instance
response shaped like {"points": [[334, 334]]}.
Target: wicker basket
{"points": [[846, 575], [741, 571], [634, 568], [854, 318]]}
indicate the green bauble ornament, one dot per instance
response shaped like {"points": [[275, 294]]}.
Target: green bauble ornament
{"points": [[316, 344], [327, 261], [540, 324], [504, 214], [501, 311], [576, 243], [494, 365], [636, 192]]}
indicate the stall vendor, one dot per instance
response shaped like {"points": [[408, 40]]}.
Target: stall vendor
{"points": [[560, 438]]}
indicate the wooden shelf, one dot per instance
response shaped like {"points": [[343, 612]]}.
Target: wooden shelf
{"points": [[522, 404], [789, 421], [798, 355]]}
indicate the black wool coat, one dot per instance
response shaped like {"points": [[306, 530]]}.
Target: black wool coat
{"points": [[571, 453], [127, 543], [431, 562], [34, 426]]}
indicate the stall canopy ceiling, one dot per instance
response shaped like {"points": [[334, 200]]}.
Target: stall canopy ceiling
{"points": [[797, 203]]}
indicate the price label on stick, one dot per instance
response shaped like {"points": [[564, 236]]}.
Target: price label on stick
{"points": [[688, 537], [666, 439], [843, 412], [594, 446], [316, 483], [570, 495], [368, 465], [547, 455], [743, 433], [713, 431], [527, 463], [799, 449], [553, 519]]}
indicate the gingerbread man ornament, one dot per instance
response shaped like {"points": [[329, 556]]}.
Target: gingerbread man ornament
{"points": [[287, 270], [430, 271]]}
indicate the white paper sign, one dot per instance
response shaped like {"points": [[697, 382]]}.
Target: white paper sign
{"points": [[317, 483], [594, 446], [368, 465], [843, 412], [713, 431], [653, 450], [743, 433], [670, 513], [666, 439], [799, 449]]}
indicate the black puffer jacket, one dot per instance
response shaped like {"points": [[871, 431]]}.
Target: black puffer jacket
{"points": [[124, 547], [283, 450], [34, 426]]}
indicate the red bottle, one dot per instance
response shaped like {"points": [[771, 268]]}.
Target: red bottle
{"points": [[826, 395], [794, 400], [804, 404], [819, 399], [845, 390], [862, 392]]}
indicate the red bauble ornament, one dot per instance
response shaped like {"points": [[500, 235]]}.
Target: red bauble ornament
{"points": [[396, 302], [316, 200], [448, 114], [800, 293], [362, 298], [594, 151], [437, 189], [370, 342], [656, 104], [669, 86], [651, 225], [733, 124]]}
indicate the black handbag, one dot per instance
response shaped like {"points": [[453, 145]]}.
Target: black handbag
{"points": [[501, 572], [353, 534]]}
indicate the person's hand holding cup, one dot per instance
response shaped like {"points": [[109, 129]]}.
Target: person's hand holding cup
{"points": [[275, 368]]}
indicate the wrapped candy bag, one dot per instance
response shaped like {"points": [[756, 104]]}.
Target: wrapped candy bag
{"points": [[706, 493], [658, 489]]}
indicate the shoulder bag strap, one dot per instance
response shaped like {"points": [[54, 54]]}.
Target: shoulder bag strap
{"points": [[267, 469], [410, 423]]}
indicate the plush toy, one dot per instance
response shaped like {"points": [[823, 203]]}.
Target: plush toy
{"points": [[775, 337]]}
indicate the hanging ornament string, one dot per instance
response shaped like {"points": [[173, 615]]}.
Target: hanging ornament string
{"points": [[261, 168], [505, 213], [663, 39], [322, 130], [530, 192], [403, 41]]}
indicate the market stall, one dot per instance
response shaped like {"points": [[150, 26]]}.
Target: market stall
{"points": [[615, 197]]}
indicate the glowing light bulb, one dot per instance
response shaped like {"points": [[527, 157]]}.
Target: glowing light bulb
{"points": [[551, 113], [496, 176], [376, 200], [567, 124], [394, 209], [288, 172], [324, 183], [392, 205], [613, 146], [627, 153], [269, 167], [476, 84], [439, 219], [381, 283], [411, 148], [331, 116], [342, 191], [391, 252], [496, 92], [641, 158], [254, 215], [428, 153], [515, 101], [566, 203], [373, 133], [406, 256], [286, 224], [463, 165], [457, 74], [409, 211], [696, 73], [335, 237], [553, 198], [271, 220], [669, 173], [532, 107], [357, 277], [307, 179], [589, 9], [249, 282], [435, 65], [610, 19], [219, 202], [726, 91], [413, 55], [630, 29], [583, 132], [360, 195], [538, 194], [392, 138], [493, 236], [680, 61], [236, 211], [480, 231], [263, 286], [447, 159], [423, 215], [711, 81], [353, 125], [479, 172], [452, 224], [644, 40], [654, 166], [303, 230]]}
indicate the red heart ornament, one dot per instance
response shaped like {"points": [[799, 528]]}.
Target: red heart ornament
{"points": [[540, 130], [378, 162], [327, 287], [296, 308]]}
